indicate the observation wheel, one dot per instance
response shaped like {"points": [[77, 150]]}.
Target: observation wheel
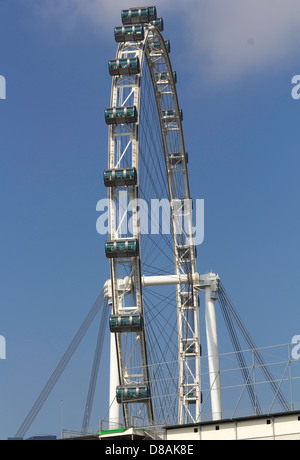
{"points": [[154, 324]]}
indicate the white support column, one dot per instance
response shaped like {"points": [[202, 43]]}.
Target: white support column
{"points": [[114, 408], [213, 354]]}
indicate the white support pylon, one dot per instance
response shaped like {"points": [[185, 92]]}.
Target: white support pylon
{"points": [[114, 407], [212, 346]]}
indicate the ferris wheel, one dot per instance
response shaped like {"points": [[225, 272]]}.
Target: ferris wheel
{"points": [[154, 324], [153, 287]]}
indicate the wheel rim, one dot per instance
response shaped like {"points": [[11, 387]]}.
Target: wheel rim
{"points": [[164, 354]]}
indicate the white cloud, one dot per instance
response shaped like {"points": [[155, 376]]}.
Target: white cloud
{"points": [[239, 36], [227, 38]]}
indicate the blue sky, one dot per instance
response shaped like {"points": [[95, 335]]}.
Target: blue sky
{"points": [[235, 61]]}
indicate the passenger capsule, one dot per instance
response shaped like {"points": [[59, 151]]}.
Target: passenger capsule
{"points": [[176, 158], [170, 115], [158, 23], [120, 115], [186, 253], [182, 205], [130, 66], [156, 46], [138, 15], [189, 347], [129, 33], [126, 323], [120, 177], [187, 299], [191, 397], [163, 77], [152, 13], [131, 393], [122, 248]]}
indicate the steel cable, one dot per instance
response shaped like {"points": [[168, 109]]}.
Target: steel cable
{"points": [[32, 414], [251, 344]]}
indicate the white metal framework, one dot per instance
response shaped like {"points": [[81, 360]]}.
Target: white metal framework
{"points": [[151, 145]]}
